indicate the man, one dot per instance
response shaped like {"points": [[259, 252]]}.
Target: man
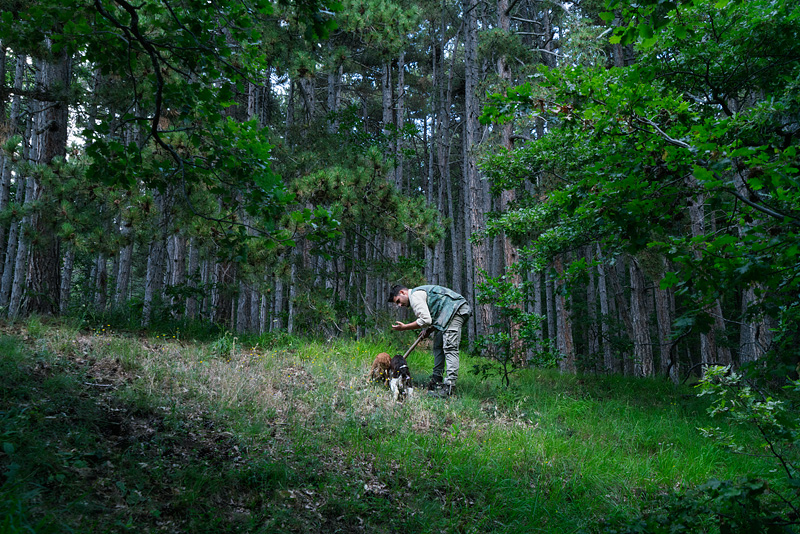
{"points": [[443, 312]]}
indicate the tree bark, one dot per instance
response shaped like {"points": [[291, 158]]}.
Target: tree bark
{"points": [[592, 330], [710, 352], [192, 279], [43, 287], [566, 345], [609, 365], [476, 200], [668, 354], [642, 342], [154, 277]]}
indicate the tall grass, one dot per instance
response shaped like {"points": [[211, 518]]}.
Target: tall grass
{"points": [[108, 432]]}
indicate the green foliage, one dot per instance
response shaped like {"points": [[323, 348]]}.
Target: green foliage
{"points": [[776, 419], [714, 507], [509, 339], [702, 114], [183, 74], [765, 504]]}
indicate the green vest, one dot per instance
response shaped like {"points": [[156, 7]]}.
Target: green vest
{"points": [[443, 303]]}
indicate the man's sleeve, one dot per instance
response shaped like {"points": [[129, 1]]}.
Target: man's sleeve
{"points": [[419, 304]]}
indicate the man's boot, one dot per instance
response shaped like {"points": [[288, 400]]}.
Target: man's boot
{"points": [[434, 383], [444, 391]]}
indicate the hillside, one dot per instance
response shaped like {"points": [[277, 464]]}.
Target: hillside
{"points": [[112, 432]]}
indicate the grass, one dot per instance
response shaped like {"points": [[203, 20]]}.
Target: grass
{"points": [[105, 432]]}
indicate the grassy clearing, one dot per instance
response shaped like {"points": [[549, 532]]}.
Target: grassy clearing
{"points": [[103, 432]]}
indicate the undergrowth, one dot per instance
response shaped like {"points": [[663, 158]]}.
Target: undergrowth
{"points": [[103, 431]]}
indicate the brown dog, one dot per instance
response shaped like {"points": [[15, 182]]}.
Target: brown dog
{"points": [[380, 371]]}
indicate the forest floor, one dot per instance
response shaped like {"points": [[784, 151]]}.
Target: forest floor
{"points": [[112, 432]]}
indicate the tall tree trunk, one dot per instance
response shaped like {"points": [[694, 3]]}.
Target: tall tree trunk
{"points": [[293, 292], [592, 330], [615, 272], [9, 263], [710, 352], [192, 279], [642, 342], [66, 278], [100, 282], [154, 277], [277, 313], [536, 277], [209, 282], [566, 345], [19, 270], [605, 313], [668, 353], [400, 119], [242, 307], [334, 92], [476, 200], [9, 231], [550, 301], [754, 334], [433, 254], [43, 291], [387, 119], [125, 263], [178, 267], [507, 196], [443, 150]]}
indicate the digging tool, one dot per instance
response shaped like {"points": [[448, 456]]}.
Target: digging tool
{"points": [[419, 338], [393, 382]]}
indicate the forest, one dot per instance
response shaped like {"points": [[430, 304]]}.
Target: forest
{"points": [[613, 186]]}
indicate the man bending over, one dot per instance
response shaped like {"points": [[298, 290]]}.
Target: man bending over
{"points": [[443, 312]]}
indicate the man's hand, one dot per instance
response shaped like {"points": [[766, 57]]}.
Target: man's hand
{"points": [[428, 332], [399, 325]]}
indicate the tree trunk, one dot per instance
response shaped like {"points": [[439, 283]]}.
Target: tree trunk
{"points": [[664, 315], [43, 291], [19, 269], [552, 334], [615, 271], [400, 119], [537, 307], [476, 201], [154, 277], [566, 345], [243, 307], [66, 278], [9, 263], [292, 293], [592, 330], [642, 342], [100, 282], [125, 263], [192, 279], [9, 231], [710, 352], [754, 334], [277, 314], [605, 314], [178, 268]]}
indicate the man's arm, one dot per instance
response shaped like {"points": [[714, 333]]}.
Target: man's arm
{"points": [[418, 301], [399, 325]]}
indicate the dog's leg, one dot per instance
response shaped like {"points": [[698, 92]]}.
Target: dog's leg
{"points": [[393, 384]]}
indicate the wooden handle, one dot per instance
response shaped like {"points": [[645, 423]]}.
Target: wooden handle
{"points": [[422, 335]]}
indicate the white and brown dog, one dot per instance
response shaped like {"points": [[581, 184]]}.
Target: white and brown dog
{"points": [[400, 382]]}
